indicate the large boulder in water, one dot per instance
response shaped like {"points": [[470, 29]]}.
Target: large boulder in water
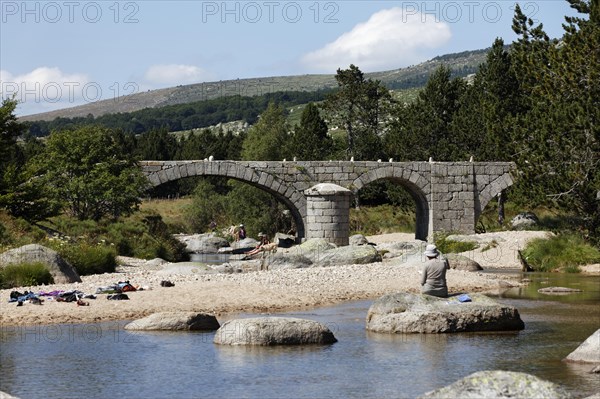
{"points": [[4, 395], [588, 351], [61, 271], [175, 321], [418, 313], [245, 245], [202, 243], [497, 384], [266, 331]]}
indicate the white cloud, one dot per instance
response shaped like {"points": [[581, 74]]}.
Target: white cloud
{"points": [[390, 39], [47, 88], [175, 74]]}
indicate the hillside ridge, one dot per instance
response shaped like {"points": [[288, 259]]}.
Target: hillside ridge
{"points": [[462, 63]]}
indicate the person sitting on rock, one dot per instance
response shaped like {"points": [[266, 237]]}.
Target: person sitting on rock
{"points": [[241, 234], [433, 275], [264, 240], [237, 233]]}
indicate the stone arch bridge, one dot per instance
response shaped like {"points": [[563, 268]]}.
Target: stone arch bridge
{"points": [[449, 196]]}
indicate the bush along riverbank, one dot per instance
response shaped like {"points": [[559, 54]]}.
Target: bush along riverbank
{"points": [[563, 253]]}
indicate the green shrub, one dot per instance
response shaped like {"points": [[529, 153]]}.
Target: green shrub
{"points": [[15, 232], [565, 251], [381, 219], [490, 245], [24, 275], [91, 246], [89, 259], [447, 246]]}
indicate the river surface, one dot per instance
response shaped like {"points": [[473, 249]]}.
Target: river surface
{"points": [[103, 360]]}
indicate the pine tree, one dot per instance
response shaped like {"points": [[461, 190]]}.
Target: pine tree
{"points": [[560, 161], [310, 140], [20, 194], [422, 129], [360, 107], [266, 140]]}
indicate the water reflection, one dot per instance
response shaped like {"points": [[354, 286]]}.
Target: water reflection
{"points": [[210, 259], [101, 360], [589, 286]]}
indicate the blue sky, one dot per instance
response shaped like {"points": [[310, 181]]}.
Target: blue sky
{"points": [[57, 54]]}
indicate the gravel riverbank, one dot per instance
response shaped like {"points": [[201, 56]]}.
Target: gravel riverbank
{"points": [[258, 291]]}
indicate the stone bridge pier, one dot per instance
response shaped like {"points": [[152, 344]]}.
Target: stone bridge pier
{"points": [[448, 196]]}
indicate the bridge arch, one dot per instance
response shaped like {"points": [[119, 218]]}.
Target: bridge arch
{"points": [[489, 188], [414, 182], [449, 196], [161, 172]]}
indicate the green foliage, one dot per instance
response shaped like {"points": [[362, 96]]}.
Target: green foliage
{"points": [[203, 144], [89, 170], [381, 219], [423, 128], [194, 115], [88, 259], [385, 192], [258, 210], [143, 235], [16, 232], [266, 140], [361, 107], [239, 204], [20, 194], [10, 130], [207, 206], [447, 246], [157, 145], [565, 251], [560, 135], [310, 141], [24, 275], [485, 117]]}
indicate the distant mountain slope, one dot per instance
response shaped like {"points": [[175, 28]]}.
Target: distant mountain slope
{"points": [[462, 64]]}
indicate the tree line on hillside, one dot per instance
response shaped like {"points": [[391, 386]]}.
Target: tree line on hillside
{"points": [[535, 103], [182, 116]]}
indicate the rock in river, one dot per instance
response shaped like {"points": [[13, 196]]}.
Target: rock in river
{"points": [[498, 384], [588, 351], [417, 313], [266, 331], [175, 321]]}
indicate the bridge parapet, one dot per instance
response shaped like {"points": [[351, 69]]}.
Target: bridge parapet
{"points": [[449, 196]]}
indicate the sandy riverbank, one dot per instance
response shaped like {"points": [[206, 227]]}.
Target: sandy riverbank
{"points": [[261, 291]]}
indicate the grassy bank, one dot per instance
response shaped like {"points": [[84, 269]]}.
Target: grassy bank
{"points": [[564, 252]]}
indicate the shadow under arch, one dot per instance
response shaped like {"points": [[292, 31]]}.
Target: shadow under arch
{"points": [[417, 194], [293, 207], [489, 191], [286, 194]]}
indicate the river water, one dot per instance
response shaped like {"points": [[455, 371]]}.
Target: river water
{"points": [[103, 360]]}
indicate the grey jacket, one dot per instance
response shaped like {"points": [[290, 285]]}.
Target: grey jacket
{"points": [[433, 277]]}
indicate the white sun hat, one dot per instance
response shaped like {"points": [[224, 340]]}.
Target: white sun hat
{"points": [[431, 251]]}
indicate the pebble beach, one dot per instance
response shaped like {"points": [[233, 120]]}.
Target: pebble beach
{"points": [[264, 291]]}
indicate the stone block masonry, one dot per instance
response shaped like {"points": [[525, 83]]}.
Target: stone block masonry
{"points": [[328, 213], [449, 196]]}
